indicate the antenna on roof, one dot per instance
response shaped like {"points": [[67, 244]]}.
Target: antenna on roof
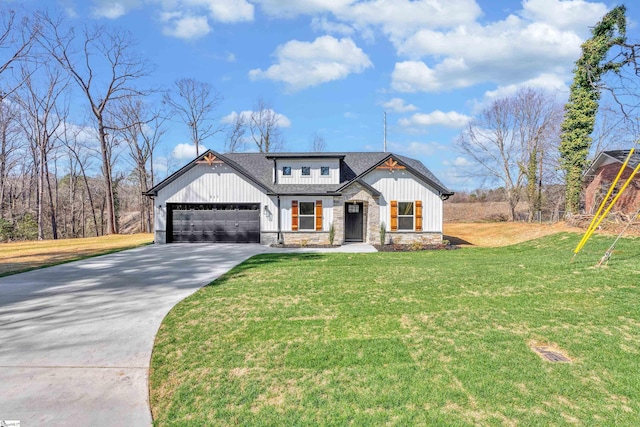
{"points": [[385, 132]]}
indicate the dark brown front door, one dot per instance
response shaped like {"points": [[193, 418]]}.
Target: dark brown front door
{"points": [[353, 222]]}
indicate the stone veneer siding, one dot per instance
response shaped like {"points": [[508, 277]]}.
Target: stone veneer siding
{"points": [[403, 237], [357, 193]]}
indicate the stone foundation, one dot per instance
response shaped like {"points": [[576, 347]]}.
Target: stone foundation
{"points": [[406, 238], [306, 238], [160, 237], [268, 238]]}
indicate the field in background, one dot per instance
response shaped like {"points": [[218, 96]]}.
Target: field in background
{"points": [[480, 211], [22, 256], [494, 234]]}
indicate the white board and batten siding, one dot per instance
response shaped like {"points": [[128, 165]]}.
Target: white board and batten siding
{"points": [[327, 210], [296, 176], [403, 186], [215, 184]]}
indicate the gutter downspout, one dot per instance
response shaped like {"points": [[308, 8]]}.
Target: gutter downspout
{"points": [[280, 239]]}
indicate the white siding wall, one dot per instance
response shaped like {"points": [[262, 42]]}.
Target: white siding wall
{"points": [[403, 186], [214, 184], [327, 210], [315, 177]]}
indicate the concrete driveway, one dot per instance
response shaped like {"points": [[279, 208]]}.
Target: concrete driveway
{"points": [[76, 339]]}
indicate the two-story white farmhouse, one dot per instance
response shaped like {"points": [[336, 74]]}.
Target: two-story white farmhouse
{"points": [[298, 197]]}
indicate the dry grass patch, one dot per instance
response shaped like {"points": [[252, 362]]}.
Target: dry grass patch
{"points": [[496, 234], [16, 257]]}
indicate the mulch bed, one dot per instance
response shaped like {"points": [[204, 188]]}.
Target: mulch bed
{"points": [[298, 246], [396, 247]]}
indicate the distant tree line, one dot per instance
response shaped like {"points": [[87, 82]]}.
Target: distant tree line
{"points": [[80, 126]]}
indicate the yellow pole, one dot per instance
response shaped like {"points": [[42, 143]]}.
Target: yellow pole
{"points": [[613, 202], [602, 204]]}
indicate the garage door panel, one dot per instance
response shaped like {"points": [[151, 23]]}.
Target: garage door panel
{"points": [[221, 223]]}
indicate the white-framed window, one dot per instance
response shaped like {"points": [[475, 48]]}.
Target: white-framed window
{"points": [[324, 170], [405, 215], [306, 170], [307, 216], [286, 170]]}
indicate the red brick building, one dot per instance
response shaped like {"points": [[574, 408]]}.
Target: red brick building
{"points": [[602, 173]]}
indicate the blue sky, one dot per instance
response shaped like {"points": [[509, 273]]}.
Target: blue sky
{"points": [[332, 67]]}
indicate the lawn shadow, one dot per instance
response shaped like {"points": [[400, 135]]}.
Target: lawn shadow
{"points": [[261, 260], [457, 241]]}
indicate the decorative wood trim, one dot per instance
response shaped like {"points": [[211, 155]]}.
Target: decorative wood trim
{"points": [[209, 159], [391, 165], [394, 215], [418, 215], [294, 215], [318, 215]]}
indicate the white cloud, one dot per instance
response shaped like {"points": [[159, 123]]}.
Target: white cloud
{"points": [[461, 162], [293, 8], [397, 105], [574, 15], [110, 10], [321, 24], [186, 27], [186, 151], [416, 76], [451, 119], [303, 64], [543, 39], [395, 17], [231, 57], [283, 121], [551, 83], [228, 11], [416, 149]]}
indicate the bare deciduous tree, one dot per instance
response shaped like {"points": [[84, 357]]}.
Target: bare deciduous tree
{"points": [[41, 98], [17, 35], [142, 130], [235, 140], [505, 141], [105, 67], [9, 131], [318, 143], [195, 103], [264, 126]]}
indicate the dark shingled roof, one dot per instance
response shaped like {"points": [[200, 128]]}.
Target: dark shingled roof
{"points": [[619, 155], [259, 168]]}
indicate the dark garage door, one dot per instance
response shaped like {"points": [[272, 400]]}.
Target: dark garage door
{"points": [[214, 223]]}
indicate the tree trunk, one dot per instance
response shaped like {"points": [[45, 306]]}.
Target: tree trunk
{"points": [[54, 226], [40, 193], [112, 227]]}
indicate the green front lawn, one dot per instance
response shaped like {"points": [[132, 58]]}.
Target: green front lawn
{"points": [[430, 338]]}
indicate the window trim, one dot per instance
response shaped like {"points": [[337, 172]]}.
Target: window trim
{"points": [[283, 171], [301, 215], [412, 216], [328, 169], [305, 174]]}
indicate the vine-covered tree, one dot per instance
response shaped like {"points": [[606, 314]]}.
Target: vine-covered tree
{"points": [[582, 107]]}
